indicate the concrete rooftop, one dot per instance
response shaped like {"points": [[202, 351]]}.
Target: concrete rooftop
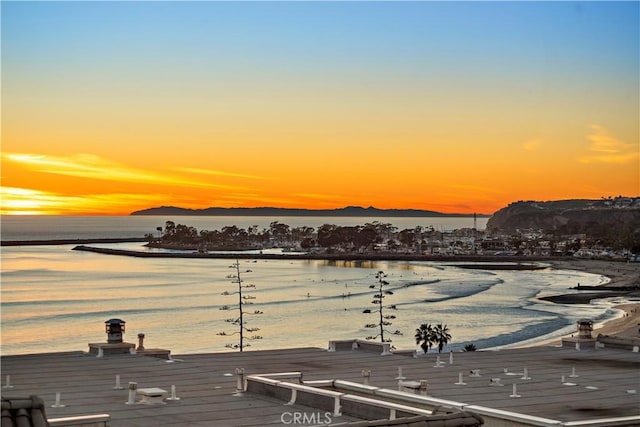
{"points": [[607, 382]]}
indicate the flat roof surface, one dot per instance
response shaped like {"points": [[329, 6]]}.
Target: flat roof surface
{"points": [[607, 382]]}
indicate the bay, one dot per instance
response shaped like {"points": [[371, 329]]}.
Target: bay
{"points": [[57, 299]]}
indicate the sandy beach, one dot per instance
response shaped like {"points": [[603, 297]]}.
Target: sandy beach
{"points": [[621, 274]]}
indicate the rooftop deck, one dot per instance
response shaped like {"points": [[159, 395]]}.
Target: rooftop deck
{"points": [[606, 382]]}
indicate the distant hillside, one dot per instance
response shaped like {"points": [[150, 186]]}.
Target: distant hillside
{"points": [[353, 211], [612, 217]]}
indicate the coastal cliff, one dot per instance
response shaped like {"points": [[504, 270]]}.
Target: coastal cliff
{"points": [[619, 216]]}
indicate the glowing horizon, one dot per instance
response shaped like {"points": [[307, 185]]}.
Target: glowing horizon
{"points": [[456, 107]]}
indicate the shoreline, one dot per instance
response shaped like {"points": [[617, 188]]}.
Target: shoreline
{"points": [[623, 280], [626, 322]]}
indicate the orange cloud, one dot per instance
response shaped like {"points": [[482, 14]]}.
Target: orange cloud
{"points": [[605, 148], [218, 173], [22, 201], [89, 166]]}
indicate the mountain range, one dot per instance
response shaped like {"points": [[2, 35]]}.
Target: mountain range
{"points": [[353, 211]]}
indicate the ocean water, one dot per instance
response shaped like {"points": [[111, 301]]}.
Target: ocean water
{"points": [[71, 227], [57, 299]]}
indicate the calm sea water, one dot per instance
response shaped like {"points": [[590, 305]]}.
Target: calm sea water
{"points": [[71, 227], [57, 299]]}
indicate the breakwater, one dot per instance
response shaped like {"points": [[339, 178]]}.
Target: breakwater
{"points": [[495, 263]]}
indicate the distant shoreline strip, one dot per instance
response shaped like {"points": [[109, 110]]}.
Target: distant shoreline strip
{"points": [[71, 241], [499, 263]]}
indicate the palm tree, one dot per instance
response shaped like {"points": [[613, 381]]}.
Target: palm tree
{"points": [[424, 336], [441, 336], [470, 347]]}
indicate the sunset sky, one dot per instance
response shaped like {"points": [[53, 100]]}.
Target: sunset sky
{"points": [[111, 107]]}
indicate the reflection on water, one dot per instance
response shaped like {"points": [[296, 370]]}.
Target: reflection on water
{"points": [[350, 264], [56, 299]]}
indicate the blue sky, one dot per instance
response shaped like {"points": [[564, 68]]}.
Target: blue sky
{"points": [[524, 88], [494, 30]]}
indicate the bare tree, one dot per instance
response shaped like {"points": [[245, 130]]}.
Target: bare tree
{"points": [[243, 300], [384, 319]]}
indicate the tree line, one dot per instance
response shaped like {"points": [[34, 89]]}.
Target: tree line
{"points": [[328, 236]]}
